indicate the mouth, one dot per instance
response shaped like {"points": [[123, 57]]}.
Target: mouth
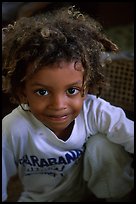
{"points": [[58, 118]]}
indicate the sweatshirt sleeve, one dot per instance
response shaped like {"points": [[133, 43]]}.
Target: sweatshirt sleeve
{"points": [[110, 120]]}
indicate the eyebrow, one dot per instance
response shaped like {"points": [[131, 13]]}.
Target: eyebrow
{"points": [[77, 83]]}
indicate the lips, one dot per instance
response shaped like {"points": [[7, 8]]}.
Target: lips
{"points": [[57, 117]]}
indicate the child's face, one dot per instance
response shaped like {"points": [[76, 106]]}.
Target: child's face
{"points": [[54, 95]]}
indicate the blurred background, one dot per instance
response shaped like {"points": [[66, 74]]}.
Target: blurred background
{"points": [[117, 20]]}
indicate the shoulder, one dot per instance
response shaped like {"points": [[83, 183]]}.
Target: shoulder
{"points": [[16, 122], [13, 118], [20, 123], [98, 107], [92, 102]]}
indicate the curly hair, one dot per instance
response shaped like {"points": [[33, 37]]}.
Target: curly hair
{"points": [[64, 34]]}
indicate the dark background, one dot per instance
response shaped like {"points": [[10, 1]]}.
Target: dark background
{"points": [[109, 14]]}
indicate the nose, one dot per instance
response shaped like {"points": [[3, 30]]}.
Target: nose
{"points": [[58, 102]]}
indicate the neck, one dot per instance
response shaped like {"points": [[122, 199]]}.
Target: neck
{"points": [[65, 134]]}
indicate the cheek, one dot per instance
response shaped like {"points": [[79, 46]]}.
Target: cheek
{"points": [[78, 105], [37, 107], [38, 111]]}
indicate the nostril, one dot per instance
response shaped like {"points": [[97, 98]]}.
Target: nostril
{"points": [[58, 103], [58, 108]]}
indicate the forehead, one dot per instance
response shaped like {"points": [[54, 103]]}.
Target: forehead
{"points": [[58, 64], [61, 72]]}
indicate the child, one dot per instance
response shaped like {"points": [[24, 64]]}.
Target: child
{"points": [[64, 143]]}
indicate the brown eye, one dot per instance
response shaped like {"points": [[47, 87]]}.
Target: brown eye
{"points": [[72, 91], [42, 92]]}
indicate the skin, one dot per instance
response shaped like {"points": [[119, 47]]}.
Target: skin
{"points": [[54, 95]]}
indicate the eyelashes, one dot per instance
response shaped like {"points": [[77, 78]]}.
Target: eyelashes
{"points": [[70, 92], [42, 92]]}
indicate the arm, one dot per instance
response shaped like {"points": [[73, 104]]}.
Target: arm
{"points": [[119, 128], [107, 119]]}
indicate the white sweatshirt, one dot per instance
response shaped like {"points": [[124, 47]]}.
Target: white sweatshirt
{"points": [[52, 169]]}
